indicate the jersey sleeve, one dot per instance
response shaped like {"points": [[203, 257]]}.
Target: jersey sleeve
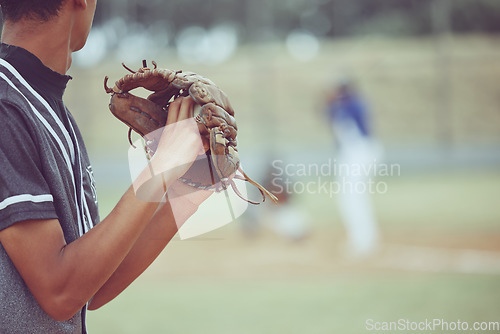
{"points": [[24, 192]]}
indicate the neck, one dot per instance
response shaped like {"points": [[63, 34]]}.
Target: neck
{"points": [[49, 41]]}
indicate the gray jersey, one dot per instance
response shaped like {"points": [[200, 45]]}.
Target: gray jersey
{"points": [[45, 174]]}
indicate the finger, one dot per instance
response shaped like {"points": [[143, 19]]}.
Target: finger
{"points": [[173, 110], [186, 108]]}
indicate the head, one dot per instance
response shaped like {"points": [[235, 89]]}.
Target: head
{"points": [[32, 13], [346, 87]]}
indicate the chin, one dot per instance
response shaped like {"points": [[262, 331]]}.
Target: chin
{"points": [[80, 43], [78, 46]]}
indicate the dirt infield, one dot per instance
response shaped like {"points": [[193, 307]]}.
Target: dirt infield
{"points": [[228, 254]]}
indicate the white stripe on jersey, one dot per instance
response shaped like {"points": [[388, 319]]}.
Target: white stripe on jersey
{"points": [[45, 104], [25, 198], [88, 223], [60, 144]]}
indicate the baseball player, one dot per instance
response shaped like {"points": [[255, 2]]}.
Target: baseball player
{"points": [[356, 149], [56, 258]]}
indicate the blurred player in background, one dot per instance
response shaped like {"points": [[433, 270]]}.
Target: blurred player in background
{"points": [[356, 149]]}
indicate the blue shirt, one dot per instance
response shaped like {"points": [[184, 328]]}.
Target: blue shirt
{"points": [[349, 107]]}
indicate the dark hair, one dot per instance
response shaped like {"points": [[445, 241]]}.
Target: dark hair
{"points": [[14, 10]]}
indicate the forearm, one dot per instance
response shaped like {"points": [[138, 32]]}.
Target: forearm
{"points": [[83, 266], [87, 263], [112, 240], [154, 238]]}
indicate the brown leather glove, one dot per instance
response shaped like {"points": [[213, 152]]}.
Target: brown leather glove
{"points": [[215, 119]]}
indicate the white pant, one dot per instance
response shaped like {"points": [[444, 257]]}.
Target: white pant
{"points": [[356, 208]]}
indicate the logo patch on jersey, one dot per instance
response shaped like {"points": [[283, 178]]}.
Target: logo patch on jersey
{"points": [[90, 174]]}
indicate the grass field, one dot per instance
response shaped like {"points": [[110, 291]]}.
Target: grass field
{"points": [[339, 304], [440, 259], [440, 255]]}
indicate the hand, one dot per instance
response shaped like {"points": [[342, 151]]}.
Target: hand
{"points": [[180, 142]]}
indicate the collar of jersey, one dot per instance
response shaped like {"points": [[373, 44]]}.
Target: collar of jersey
{"points": [[39, 76]]}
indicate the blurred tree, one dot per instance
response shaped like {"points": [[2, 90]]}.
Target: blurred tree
{"points": [[476, 16], [441, 19], [342, 17]]}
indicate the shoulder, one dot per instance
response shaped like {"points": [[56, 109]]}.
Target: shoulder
{"points": [[17, 124], [13, 103], [11, 97], [14, 112]]}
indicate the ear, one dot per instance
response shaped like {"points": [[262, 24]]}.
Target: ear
{"points": [[82, 4]]}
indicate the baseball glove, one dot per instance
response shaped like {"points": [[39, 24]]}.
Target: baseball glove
{"points": [[215, 120]]}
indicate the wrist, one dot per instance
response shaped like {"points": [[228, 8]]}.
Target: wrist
{"points": [[153, 181], [193, 195], [182, 207]]}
